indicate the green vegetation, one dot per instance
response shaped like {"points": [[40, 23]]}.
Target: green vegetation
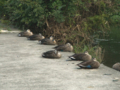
{"points": [[114, 33], [74, 21]]}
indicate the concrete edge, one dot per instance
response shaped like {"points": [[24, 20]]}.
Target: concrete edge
{"points": [[6, 31]]}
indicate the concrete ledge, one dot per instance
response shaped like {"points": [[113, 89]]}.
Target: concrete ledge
{"points": [[7, 31], [23, 68]]}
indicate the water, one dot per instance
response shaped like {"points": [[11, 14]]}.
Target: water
{"points": [[111, 47], [112, 52]]}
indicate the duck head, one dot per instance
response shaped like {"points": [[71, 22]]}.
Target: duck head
{"points": [[68, 44], [86, 52], [94, 59], [51, 37], [28, 30], [71, 48], [31, 33], [43, 37], [58, 54]]}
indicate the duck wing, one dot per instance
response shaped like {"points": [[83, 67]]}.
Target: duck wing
{"points": [[49, 54], [95, 64], [26, 34], [89, 64], [85, 63], [44, 41], [35, 37], [80, 56], [32, 37], [73, 57], [57, 46], [61, 48]]}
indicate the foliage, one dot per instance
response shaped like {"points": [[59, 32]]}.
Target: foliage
{"points": [[2, 7], [25, 12], [114, 33], [114, 15], [36, 13]]}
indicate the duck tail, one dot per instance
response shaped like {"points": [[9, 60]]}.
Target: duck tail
{"points": [[85, 67], [40, 42], [77, 64], [19, 35], [28, 38], [81, 66], [71, 57], [53, 47], [43, 55]]}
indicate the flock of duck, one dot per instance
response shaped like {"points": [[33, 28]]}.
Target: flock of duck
{"points": [[87, 61]]}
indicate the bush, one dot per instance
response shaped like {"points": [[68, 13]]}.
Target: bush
{"points": [[75, 21], [35, 13], [2, 7]]}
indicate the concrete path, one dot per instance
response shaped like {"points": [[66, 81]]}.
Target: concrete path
{"points": [[23, 68]]}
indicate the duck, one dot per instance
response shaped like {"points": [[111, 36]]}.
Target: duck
{"points": [[91, 64], [51, 54], [116, 66], [26, 33], [81, 57], [36, 37], [66, 47], [48, 41]]}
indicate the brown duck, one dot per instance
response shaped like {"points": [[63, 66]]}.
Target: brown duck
{"points": [[36, 37], [51, 54], [26, 33], [116, 66], [67, 47], [82, 56], [48, 41], [91, 64]]}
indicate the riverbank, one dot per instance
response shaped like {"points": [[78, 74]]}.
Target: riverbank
{"points": [[23, 68]]}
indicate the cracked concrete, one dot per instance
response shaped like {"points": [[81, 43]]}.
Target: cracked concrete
{"points": [[23, 68]]}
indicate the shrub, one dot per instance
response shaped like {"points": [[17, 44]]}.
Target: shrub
{"points": [[75, 21], [2, 7]]}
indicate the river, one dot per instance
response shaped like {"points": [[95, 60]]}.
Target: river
{"points": [[111, 47]]}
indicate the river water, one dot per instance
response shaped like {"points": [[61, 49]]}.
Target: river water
{"points": [[111, 53], [111, 47]]}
